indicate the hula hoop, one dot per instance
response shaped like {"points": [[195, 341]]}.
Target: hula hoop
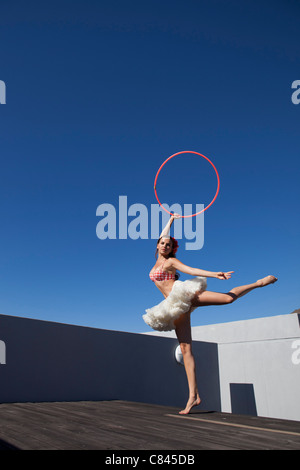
{"points": [[174, 155]]}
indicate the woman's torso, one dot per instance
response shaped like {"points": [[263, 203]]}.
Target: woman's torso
{"points": [[163, 276]]}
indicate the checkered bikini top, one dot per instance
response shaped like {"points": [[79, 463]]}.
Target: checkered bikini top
{"points": [[160, 275]]}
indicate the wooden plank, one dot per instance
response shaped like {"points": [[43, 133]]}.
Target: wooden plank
{"points": [[243, 426], [120, 425]]}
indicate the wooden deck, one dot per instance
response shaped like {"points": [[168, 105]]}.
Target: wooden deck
{"points": [[120, 425]]}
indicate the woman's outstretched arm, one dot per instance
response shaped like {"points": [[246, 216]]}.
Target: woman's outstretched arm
{"points": [[179, 266]]}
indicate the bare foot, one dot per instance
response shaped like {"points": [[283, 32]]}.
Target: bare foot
{"points": [[266, 281], [193, 401]]}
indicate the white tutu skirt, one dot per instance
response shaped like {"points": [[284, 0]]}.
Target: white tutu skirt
{"points": [[161, 317]]}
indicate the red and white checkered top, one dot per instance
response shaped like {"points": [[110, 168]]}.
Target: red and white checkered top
{"points": [[160, 275]]}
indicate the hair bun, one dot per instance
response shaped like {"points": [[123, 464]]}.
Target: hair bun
{"points": [[175, 245]]}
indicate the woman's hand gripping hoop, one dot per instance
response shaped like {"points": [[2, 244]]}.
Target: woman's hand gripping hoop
{"points": [[174, 155]]}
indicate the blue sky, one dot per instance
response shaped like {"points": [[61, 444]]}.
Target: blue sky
{"points": [[98, 95]]}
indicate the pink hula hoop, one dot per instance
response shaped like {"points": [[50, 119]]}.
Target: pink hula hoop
{"points": [[174, 155]]}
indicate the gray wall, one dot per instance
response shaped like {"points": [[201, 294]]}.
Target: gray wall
{"points": [[48, 361], [248, 367], [259, 365]]}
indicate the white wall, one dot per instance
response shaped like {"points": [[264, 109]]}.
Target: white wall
{"points": [[265, 354], [259, 365]]}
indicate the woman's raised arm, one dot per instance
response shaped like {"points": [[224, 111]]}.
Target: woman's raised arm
{"points": [[166, 230]]}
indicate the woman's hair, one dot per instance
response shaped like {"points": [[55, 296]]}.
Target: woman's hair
{"points": [[173, 252]]}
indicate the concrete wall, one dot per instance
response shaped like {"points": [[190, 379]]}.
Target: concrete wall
{"points": [[45, 361], [248, 367], [259, 365]]}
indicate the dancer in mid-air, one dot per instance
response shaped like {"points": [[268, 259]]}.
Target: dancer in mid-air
{"points": [[182, 297]]}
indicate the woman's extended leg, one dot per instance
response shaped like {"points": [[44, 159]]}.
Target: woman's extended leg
{"points": [[183, 332], [216, 298]]}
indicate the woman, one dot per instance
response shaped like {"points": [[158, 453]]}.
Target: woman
{"points": [[181, 298]]}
